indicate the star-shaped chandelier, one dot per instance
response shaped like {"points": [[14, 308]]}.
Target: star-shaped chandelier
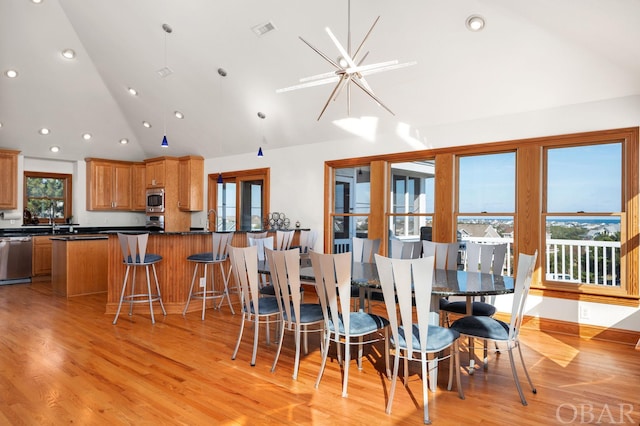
{"points": [[349, 69]]}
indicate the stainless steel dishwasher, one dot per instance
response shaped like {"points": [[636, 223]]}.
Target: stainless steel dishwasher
{"points": [[15, 260]]}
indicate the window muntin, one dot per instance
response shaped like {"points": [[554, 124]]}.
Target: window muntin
{"points": [[351, 205], [48, 196]]}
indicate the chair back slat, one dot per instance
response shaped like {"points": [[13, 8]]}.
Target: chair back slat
{"points": [[524, 276], [244, 261], [134, 247], [486, 258], [220, 242], [261, 244], [406, 286], [445, 254], [307, 240], [333, 285], [284, 266], [283, 239], [405, 249], [364, 249]]}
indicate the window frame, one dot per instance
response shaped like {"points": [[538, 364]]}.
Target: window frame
{"points": [[67, 196], [238, 177], [529, 230]]}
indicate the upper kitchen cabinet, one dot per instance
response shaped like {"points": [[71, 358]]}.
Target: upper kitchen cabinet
{"points": [[139, 187], [191, 183], [155, 172], [9, 179], [108, 185]]}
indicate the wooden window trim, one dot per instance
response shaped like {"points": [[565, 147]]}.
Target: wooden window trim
{"points": [[68, 190]]}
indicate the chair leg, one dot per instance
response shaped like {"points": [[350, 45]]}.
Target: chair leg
{"points": [[515, 376], [455, 354], [526, 372], [155, 276], [360, 351], [204, 291], [153, 320], [132, 289], [347, 361], [275, 360], [124, 287], [325, 353], [296, 363], [225, 280], [472, 354], [433, 371], [394, 379], [425, 386], [235, 351], [256, 332], [193, 280]]}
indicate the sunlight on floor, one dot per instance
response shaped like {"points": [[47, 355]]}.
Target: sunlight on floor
{"points": [[557, 351]]}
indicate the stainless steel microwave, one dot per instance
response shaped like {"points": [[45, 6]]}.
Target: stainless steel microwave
{"points": [[155, 200]]}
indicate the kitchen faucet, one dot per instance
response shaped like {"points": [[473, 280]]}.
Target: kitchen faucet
{"points": [[215, 218], [51, 217]]}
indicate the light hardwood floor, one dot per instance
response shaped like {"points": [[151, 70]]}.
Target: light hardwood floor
{"points": [[63, 362]]}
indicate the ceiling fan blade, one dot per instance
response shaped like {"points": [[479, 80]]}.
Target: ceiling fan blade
{"points": [[309, 84], [335, 89], [370, 93]]}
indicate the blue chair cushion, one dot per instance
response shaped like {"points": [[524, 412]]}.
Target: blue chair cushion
{"points": [[438, 338], [268, 290], [460, 307], [266, 306], [309, 313], [206, 257], [148, 258], [361, 323], [484, 327]]}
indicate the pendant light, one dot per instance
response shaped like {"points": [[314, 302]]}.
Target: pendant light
{"points": [[164, 72], [220, 178], [262, 116]]}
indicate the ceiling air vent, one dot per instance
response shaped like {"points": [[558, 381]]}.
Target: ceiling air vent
{"points": [[164, 72], [262, 29]]}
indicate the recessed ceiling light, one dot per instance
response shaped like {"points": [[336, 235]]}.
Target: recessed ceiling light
{"points": [[178, 114], [146, 124], [475, 23], [54, 149], [68, 53], [132, 91], [11, 73], [124, 141], [43, 131], [86, 136], [36, 1], [0, 124]]}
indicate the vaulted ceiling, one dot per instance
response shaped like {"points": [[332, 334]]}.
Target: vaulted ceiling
{"points": [[531, 55]]}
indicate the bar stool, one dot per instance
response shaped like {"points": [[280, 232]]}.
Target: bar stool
{"points": [[134, 254], [218, 255]]}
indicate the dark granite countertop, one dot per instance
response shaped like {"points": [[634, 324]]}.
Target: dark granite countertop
{"points": [[79, 237], [63, 230]]}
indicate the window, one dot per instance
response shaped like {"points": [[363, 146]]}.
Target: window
{"points": [[583, 214], [240, 202], [412, 200], [351, 205], [487, 200], [47, 197]]}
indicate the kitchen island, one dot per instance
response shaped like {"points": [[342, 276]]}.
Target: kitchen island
{"points": [[78, 264]]}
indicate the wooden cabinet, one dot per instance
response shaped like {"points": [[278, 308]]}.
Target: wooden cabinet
{"points": [[80, 265], [190, 183], [108, 185], [138, 187], [41, 255], [9, 179], [155, 173]]}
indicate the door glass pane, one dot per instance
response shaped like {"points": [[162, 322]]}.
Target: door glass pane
{"points": [[226, 207], [487, 183], [251, 205], [352, 190], [584, 179]]}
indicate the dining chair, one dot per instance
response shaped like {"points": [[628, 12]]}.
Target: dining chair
{"points": [[307, 243], [405, 249], [363, 250], [485, 258], [284, 239], [297, 316], [333, 285], [255, 309], [262, 244], [134, 255], [445, 254], [488, 328], [219, 253], [406, 286]]}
